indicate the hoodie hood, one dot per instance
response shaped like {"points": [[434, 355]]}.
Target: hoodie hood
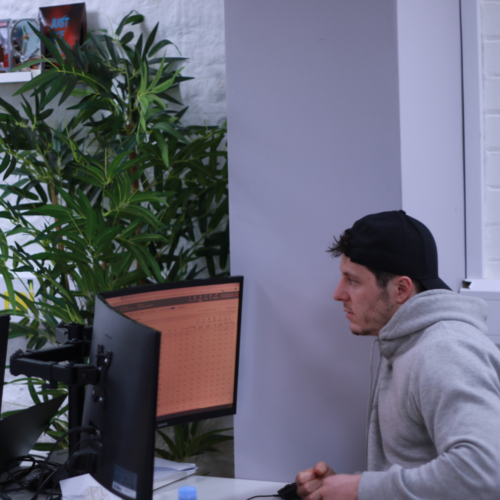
{"points": [[424, 310]]}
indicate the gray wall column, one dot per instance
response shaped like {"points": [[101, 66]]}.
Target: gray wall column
{"points": [[313, 124]]}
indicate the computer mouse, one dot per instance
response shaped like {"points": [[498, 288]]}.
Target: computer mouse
{"points": [[289, 492]]}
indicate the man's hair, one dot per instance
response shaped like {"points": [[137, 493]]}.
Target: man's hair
{"points": [[342, 245]]}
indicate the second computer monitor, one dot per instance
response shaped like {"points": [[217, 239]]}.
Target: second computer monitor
{"points": [[199, 321], [4, 337]]}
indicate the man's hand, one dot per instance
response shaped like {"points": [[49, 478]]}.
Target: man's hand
{"points": [[311, 480], [321, 483]]}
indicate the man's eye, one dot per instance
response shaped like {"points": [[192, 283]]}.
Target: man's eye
{"points": [[351, 281]]}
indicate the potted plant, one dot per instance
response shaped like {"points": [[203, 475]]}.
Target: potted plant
{"points": [[128, 195]]}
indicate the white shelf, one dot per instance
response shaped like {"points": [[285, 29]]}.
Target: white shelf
{"points": [[19, 76]]}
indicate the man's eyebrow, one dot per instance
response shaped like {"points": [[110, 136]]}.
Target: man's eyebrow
{"points": [[350, 274]]}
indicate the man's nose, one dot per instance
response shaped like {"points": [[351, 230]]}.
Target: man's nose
{"points": [[339, 293]]}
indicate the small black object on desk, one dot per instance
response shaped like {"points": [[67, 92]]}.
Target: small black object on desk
{"points": [[289, 492]]}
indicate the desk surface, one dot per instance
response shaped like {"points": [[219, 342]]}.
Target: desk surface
{"points": [[217, 488], [209, 488]]}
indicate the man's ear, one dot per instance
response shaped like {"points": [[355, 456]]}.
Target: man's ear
{"points": [[405, 289]]}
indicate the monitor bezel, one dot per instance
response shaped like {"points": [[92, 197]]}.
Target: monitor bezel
{"points": [[4, 339], [125, 418], [167, 421]]}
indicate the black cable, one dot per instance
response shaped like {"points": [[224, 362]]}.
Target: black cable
{"points": [[288, 492], [17, 478], [67, 465], [11, 479], [88, 428], [264, 496], [49, 477]]}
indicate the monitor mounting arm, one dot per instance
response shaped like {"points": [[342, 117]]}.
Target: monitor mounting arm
{"points": [[66, 364]]}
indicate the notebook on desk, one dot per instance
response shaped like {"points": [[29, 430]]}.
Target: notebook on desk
{"points": [[20, 431], [166, 472]]}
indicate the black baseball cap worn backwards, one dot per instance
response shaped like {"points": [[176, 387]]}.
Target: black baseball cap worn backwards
{"points": [[396, 243]]}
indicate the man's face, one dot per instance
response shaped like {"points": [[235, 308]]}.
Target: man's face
{"points": [[368, 307]]}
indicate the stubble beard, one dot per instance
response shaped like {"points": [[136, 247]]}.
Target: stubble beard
{"points": [[377, 316]]}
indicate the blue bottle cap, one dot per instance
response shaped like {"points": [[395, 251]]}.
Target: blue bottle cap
{"points": [[187, 493]]}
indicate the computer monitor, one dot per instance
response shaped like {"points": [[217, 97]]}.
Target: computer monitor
{"points": [[4, 338], [199, 321], [122, 405]]}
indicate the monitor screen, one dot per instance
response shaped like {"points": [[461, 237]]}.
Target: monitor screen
{"points": [[199, 321]]}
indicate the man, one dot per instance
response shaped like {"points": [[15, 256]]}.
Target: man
{"points": [[434, 410]]}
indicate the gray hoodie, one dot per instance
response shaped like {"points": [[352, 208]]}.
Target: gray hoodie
{"points": [[434, 420]]}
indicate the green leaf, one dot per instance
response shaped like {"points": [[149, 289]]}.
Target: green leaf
{"points": [[163, 146], [98, 45], [166, 127], [148, 196], [91, 224], [145, 260], [8, 283], [94, 172], [137, 19], [169, 442], [111, 49], [163, 454], [27, 110], [147, 238], [81, 92], [162, 87], [138, 212], [126, 38], [116, 162], [71, 83], [10, 109], [123, 22], [26, 64], [43, 78], [55, 211], [56, 255], [56, 87], [158, 101], [54, 51], [45, 114], [5, 162], [153, 264], [159, 46], [33, 394], [131, 229], [11, 168], [150, 40], [66, 49], [4, 248], [105, 237]]}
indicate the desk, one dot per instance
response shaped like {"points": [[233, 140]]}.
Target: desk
{"points": [[209, 488], [218, 488]]}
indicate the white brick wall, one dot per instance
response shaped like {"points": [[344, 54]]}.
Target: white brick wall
{"points": [[490, 31], [492, 160], [196, 27]]}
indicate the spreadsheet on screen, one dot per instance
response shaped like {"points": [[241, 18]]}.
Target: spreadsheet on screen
{"points": [[198, 354]]}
